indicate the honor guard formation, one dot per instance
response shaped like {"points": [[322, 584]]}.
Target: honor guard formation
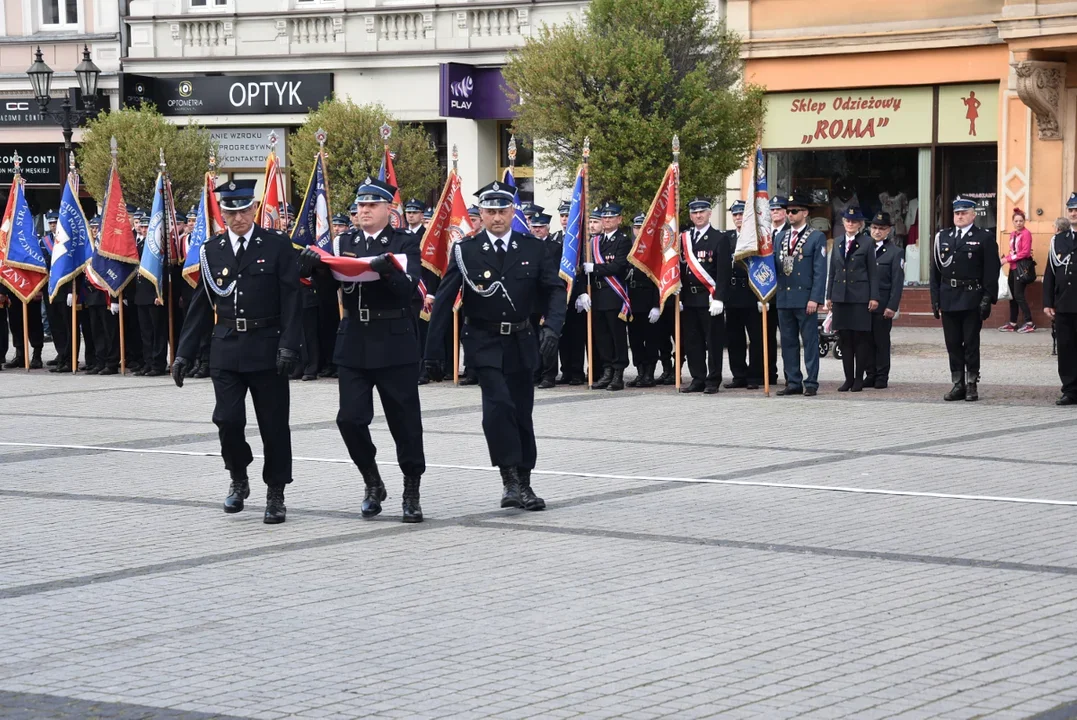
{"points": [[363, 306]]}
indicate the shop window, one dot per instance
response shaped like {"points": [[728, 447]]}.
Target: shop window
{"points": [[970, 171], [524, 170], [59, 12], [207, 4]]}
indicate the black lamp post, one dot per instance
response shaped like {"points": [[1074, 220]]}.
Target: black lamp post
{"points": [[41, 80]]}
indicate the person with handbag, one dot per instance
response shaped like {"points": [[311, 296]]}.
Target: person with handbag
{"points": [[1022, 274]]}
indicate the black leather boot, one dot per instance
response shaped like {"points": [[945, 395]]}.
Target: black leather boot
{"points": [[512, 496], [413, 513], [647, 381], [16, 362], [972, 394], [238, 491], [531, 501], [375, 491], [35, 360], [618, 381], [275, 510], [666, 378], [604, 380], [694, 387], [634, 382], [957, 392]]}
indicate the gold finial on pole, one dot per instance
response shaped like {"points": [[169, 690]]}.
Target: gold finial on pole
{"points": [[586, 148], [162, 164], [114, 147], [16, 160], [512, 151], [455, 157], [321, 136]]}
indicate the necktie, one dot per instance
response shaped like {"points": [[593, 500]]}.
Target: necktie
{"points": [[500, 245], [241, 249], [848, 245]]}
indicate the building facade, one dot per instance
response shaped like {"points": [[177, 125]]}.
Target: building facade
{"points": [[243, 67], [60, 28], [905, 106]]}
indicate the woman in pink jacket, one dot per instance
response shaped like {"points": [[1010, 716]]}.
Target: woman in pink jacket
{"points": [[1019, 257]]}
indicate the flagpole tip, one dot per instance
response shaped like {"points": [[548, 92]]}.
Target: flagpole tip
{"points": [[386, 132], [321, 136], [587, 147]]}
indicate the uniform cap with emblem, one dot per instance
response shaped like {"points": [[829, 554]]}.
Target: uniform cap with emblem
{"points": [[340, 219], [737, 208], [540, 220], [95, 221], [473, 211], [353, 208], [181, 218], [778, 202], [609, 209], [51, 216], [144, 221], [413, 205], [496, 196], [564, 208], [530, 209], [1072, 202], [131, 209], [291, 210], [428, 214], [596, 214], [852, 214], [699, 203], [798, 200], [374, 191], [236, 194], [961, 203], [882, 219], [638, 220]]}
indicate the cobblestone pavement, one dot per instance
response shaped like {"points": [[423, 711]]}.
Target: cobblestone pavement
{"points": [[886, 555]]}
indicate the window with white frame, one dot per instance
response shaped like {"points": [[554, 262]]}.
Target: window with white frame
{"points": [[59, 12], [196, 4]]}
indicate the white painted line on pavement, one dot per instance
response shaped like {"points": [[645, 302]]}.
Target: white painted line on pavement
{"points": [[603, 476]]}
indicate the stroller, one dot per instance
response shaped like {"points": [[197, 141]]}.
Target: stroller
{"points": [[828, 339]]}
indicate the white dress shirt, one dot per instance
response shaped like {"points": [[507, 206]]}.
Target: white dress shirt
{"points": [[234, 239]]}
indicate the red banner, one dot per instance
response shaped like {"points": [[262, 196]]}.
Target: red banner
{"points": [[655, 251], [274, 200], [24, 283]]}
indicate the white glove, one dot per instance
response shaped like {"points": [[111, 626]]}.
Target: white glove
{"points": [[583, 303], [588, 268], [69, 301], [717, 307], [680, 306], [125, 303], [114, 308], [653, 315], [759, 306]]}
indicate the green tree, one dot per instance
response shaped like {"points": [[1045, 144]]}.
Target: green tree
{"points": [[630, 76], [141, 133], [354, 150]]}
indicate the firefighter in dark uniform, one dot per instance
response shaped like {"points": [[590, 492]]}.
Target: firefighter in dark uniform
{"points": [[506, 276], [573, 343], [607, 306], [744, 327], [1060, 301], [200, 367], [705, 284], [250, 282], [36, 330], [152, 318], [642, 328], [890, 262], [378, 346], [546, 375], [852, 294], [100, 310], [964, 285], [57, 309], [428, 281]]}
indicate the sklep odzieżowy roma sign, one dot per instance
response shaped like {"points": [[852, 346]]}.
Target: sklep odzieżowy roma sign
{"points": [[844, 118]]}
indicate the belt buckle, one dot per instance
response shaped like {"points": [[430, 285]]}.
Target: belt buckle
{"points": [[241, 324], [506, 328], [694, 290], [953, 283], [364, 315]]}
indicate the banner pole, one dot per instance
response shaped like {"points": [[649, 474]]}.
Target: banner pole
{"points": [[26, 334], [74, 327], [455, 347], [677, 297], [766, 355], [123, 342], [587, 255]]}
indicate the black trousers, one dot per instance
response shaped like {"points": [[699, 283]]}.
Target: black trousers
{"points": [[105, 331], [573, 343], [132, 336], [310, 351], [508, 400], [328, 322], [1017, 299], [33, 317], [59, 315], [153, 323], [961, 330], [667, 323], [269, 391], [643, 338], [399, 395], [1066, 335], [856, 352], [3, 333], [86, 329], [610, 339], [704, 342], [879, 367]]}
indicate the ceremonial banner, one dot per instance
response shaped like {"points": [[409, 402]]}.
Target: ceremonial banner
{"points": [[72, 250], [208, 222], [388, 174], [154, 261], [349, 269], [25, 283], [519, 220], [115, 259], [655, 250], [755, 245], [312, 221], [274, 200], [570, 244], [449, 224]]}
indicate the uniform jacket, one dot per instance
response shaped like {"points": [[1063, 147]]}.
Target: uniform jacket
{"points": [[807, 283], [614, 249], [145, 293], [529, 276], [1060, 280], [740, 294], [715, 254], [266, 286], [964, 271], [854, 276], [890, 260], [385, 342]]}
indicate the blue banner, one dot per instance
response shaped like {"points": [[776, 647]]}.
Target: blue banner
{"points": [[24, 249], [197, 239], [519, 220], [570, 248], [312, 221], [72, 249], [154, 261], [761, 271]]}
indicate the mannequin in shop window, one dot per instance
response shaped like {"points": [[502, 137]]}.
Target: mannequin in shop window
{"points": [[894, 202]]}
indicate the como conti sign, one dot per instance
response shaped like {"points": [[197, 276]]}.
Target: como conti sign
{"points": [[230, 95]]}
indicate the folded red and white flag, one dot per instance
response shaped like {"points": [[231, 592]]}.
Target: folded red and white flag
{"points": [[349, 269]]}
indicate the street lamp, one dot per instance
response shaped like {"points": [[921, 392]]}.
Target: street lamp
{"points": [[41, 80]]}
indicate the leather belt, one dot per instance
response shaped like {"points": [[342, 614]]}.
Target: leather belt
{"points": [[368, 314], [505, 328], [695, 289], [243, 324], [966, 284], [739, 282]]}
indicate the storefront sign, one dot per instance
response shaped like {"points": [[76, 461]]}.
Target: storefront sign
{"points": [[848, 118], [968, 113], [229, 94], [40, 163], [471, 92], [242, 148], [25, 112]]}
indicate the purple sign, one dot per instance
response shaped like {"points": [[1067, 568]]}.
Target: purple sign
{"points": [[471, 92]]}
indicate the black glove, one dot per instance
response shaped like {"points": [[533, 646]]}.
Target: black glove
{"points": [[435, 370], [308, 260], [548, 345], [383, 264], [985, 309], [286, 360], [935, 310], [180, 366]]}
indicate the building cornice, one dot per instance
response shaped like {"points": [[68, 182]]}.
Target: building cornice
{"points": [[1036, 25], [337, 12], [312, 62], [59, 38], [886, 41]]}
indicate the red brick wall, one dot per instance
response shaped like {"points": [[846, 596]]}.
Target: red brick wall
{"points": [[916, 308]]}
